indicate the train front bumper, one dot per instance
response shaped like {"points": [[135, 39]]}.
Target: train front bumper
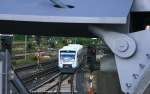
{"points": [[67, 68]]}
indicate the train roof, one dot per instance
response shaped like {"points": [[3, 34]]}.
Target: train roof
{"points": [[72, 47], [75, 45]]}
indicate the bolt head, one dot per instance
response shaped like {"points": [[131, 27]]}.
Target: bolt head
{"points": [[122, 45], [148, 56], [135, 76], [142, 66], [128, 85]]}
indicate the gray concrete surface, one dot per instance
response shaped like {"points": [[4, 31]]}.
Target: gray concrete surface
{"points": [[108, 83]]}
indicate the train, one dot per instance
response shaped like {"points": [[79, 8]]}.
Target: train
{"points": [[70, 57]]}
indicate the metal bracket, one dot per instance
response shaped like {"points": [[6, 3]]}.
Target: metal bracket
{"points": [[121, 45], [133, 71], [132, 62]]}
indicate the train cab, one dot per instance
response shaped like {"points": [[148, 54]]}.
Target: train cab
{"points": [[70, 57]]}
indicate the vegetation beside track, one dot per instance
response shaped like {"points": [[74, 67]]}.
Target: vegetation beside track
{"points": [[26, 46]]}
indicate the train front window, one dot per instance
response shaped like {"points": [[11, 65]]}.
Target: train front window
{"points": [[67, 56]]}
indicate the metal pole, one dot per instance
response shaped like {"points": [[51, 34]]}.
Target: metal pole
{"points": [[25, 47], [18, 84], [71, 84], [59, 84]]}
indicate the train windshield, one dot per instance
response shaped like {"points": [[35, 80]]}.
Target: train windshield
{"points": [[67, 56]]}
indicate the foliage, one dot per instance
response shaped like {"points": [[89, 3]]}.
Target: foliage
{"points": [[46, 43]]}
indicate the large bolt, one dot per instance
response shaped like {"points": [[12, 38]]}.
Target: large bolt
{"points": [[122, 45], [142, 66], [148, 56], [128, 85], [135, 76]]}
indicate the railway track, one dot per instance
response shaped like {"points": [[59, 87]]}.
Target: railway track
{"points": [[40, 74], [52, 85], [47, 79], [32, 75], [35, 82], [30, 66], [58, 83]]}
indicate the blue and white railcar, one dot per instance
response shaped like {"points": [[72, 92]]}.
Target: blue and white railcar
{"points": [[71, 57]]}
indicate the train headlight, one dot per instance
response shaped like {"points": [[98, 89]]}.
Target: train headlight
{"points": [[60, 65], [73, 65]]}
